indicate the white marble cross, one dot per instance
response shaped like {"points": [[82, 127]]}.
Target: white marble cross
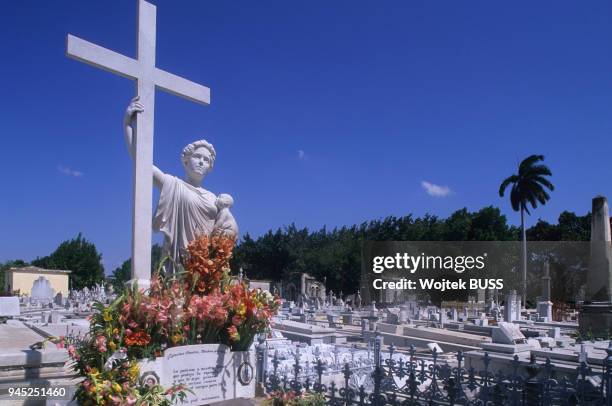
{"points": [[147, 77]]}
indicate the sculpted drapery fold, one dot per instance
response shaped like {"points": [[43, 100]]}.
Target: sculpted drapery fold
{"points": [[183, 213]]}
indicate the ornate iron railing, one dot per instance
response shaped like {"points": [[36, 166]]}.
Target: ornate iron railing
{"points": [[413, 381]]}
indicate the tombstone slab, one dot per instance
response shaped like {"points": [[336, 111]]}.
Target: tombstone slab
{"points": [[393, 315], [211, 371], [545, 311], [9, 306], [507, 333]]}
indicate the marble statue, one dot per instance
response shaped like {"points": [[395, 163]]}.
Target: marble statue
{"points": [[185, 209], [225, 223]]}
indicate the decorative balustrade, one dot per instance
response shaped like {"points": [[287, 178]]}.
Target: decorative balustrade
{"points": [[408, 380]]}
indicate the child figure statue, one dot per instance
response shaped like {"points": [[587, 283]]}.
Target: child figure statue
{"points": [[225, 223]]}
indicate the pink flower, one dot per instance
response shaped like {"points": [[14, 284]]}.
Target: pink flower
{"points": [[237, 320], [161, 317], [233, 333], [101, 342], [72, 351], [126, 308]]}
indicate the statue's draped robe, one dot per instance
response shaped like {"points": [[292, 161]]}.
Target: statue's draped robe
{"points": [[183, 213]]}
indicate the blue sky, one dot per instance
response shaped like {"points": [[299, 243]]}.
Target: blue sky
{"points": [[322, 113]]}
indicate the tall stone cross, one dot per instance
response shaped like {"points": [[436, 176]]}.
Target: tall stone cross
{"points": [[147, 77]]}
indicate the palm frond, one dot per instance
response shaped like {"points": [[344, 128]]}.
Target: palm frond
{"points": [[536, 190], [528, 162], [543, 197], [528, 185], [515, 197], [538, 170], [508, 181], [534, 193], [543, 181]]}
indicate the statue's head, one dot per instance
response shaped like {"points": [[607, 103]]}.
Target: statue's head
{"points": [[224, 201], [198, 158]]}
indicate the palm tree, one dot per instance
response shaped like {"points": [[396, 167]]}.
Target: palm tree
{"points": [[528, 187]]}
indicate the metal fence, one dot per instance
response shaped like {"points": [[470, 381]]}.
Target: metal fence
{"points": [[432, 382]]}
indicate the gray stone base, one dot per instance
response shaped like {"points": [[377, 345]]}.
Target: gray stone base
{"points": [[596, 319], [506, 348]]}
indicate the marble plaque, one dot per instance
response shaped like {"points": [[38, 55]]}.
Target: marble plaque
{"points": [[211, 371], [9, 306]]}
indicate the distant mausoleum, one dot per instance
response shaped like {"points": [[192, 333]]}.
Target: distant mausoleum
{"points": [[24, 279], [306, 288]]}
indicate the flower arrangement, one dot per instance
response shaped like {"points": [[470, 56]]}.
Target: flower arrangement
{"points": [[199, 305], [106, 359]]}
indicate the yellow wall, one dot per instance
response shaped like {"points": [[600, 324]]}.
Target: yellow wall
{"points": [[23, 281]]}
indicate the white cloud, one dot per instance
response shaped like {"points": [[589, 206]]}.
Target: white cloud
{"points": [[301, 154], [435, 190], [69, 172]]}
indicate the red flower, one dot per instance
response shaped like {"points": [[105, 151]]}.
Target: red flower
{"points": [[138, 338]]}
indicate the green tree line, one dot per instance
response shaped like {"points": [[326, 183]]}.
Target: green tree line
{"points": [[334, 255], [77, 255], [331, 254]]}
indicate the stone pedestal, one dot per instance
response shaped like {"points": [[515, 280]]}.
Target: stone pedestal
{"points": [[599, 276], [545, 311], [365, 326], [442, 317], [596, 312], [347, 318], [404, 314], [510, 307], [480, 295], [544, 304], [596, 319]]}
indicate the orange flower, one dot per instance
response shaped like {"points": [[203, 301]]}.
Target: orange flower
{"points": [[138, 338], [208, 262]]}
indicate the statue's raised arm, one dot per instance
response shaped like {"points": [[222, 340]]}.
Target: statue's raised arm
{"points": [[135, 107]]}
